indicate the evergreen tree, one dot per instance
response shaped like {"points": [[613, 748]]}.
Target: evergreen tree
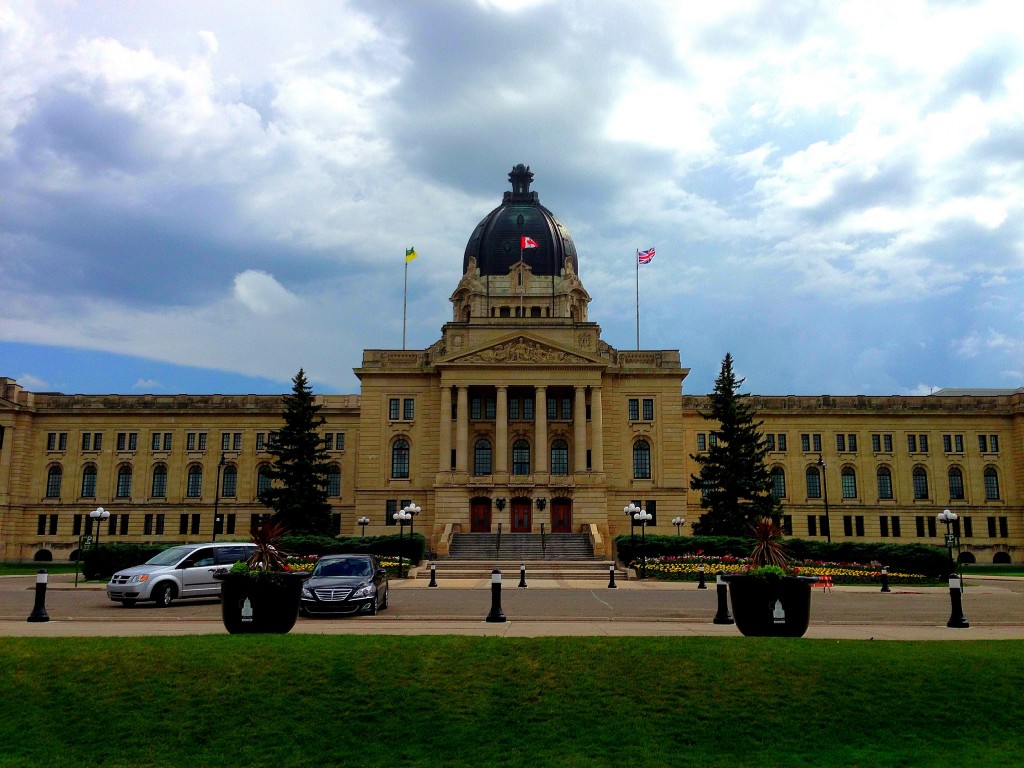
{"points": [[735, 485], [298, 493]]}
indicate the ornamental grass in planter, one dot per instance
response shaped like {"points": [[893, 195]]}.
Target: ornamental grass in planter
{"points": [[262, 594], [769, 598]]}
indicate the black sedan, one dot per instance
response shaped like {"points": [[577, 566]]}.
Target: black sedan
{"points": [[345, 584]]}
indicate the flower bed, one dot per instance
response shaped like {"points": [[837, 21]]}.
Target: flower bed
{"points": [[687, 568]]}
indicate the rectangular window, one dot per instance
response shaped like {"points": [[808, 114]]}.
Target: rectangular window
{"points": [[782, 441], [1004, 527], [328, 441], [993, 443], [787, 525], [87, 441], [634, 409], [912, 443], [513, 409], [769, 442], [41, 525], [841, 443], [919, 520], [51, 441], [805, 443], [702, 441], [883, 527], [992, 527], [876, 443], [225, 441], [231, 524], [393, 404], [190, 441], [528, 409], [968, 524], [476, 408], [202, 441], [648, 409], [652, 510], [947, 443], [851, 442], [76, 525], [261, 441], [127, 441], [339, 441], [167, 440], [922, 443], [895, 526], [490, 408], [931, 526], [195, 523], [589, 456], [848, 525], [160, 524], [958, 443], [858, 522], [812, 525], [552, 408], [147, 525], [817, 442], [183, 524], [390, 510], [408, 409], [982, 443], [236, 443], [887, 443], [566, 408]]}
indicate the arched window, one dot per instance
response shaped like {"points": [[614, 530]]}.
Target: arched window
{"points": [[334, 480], [520, 457], [53, 482], [195, 482], [642, 460], [956, 483], [778, 483], [124, 482], [991, 484], [813, 483], [263, 481], [920, 483], [400, 460], [559, 457], [482, 457], [884, 483], [159, 482], [89, 482], [229, 481], [849, 480]]}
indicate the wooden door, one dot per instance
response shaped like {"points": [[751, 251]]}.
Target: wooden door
{"points": [[561, 516], [522, 520], [480, 517]]}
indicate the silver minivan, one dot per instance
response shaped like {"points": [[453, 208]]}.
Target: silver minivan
{"points": [[183, 571]]}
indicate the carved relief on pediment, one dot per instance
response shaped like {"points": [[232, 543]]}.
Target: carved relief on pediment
{"points": [[523, 351]]}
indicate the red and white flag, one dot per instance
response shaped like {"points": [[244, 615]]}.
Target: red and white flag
{"points": [[527, 242]]}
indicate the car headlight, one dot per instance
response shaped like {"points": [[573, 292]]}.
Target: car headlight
{"points": [[307, 592], [366, 591], [139, 577]]}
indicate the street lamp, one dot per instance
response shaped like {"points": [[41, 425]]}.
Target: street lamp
{"points": [[401, 517], [643, 518], [678, 522], [631, 509], [949, 518], [99, 515], [412, 510], [216, 495], [824, 487], [363, 521]]}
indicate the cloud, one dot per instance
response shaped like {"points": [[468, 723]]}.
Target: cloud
{"points": [[33, 383], [262, 294], [146, 384]]}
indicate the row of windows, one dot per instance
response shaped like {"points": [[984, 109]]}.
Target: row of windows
{"points": [[848, 480], [847, 442], [158, 486], [194, 441], [521, 463], [154, 524], [889, 526]]}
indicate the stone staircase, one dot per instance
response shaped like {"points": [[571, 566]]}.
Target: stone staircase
{"points": [[561, 556]]}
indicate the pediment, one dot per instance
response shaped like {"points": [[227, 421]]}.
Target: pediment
{"points": [[521, 349]]}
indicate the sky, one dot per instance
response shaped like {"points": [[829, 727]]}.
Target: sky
{"points": [[205, 197]]}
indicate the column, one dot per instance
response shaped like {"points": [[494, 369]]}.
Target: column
{"points": [[462, 431], [579, 424], [444, 458], [596, 431], [501, 432], [540, 411]]}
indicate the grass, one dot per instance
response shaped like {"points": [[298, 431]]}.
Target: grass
{"points": [[993, 570], [304, 700], [26, 569]]}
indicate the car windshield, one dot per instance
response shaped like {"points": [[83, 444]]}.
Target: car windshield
{"points": [[343, 568], [170, 556]]}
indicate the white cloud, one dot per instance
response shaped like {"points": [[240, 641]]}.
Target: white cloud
{"points": [[261, 294], [32, 383]]}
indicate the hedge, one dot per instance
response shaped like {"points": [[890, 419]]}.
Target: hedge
{"points": [[908, 558], [107, 559]]}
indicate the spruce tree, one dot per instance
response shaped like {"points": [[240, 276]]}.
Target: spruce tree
{"points": [[298, 492], [735, 484]]}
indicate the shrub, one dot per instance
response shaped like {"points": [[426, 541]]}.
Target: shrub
{"points": [[410, 548], [107, 559]]}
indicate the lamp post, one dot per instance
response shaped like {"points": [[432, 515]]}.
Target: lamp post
{"points": [[949, 518], [412, 510], [216, 495], [401, 517], [824, 488], [643, 517], [99, 515], [678, 522], [631, 509], [363, 521]]}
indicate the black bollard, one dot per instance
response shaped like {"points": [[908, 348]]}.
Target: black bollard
{"points": [[701, 584], [722, 617], [611, 577], [957, 620], [433, 575], [522, 576], [885, 580], [39, 612], [495, 615]]}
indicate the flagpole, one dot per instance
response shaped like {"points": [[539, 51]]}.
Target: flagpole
{"points": [[405, 297], [638, 299]]}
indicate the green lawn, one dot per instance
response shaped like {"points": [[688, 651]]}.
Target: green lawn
{"points": [[299, 700], [24, 569]]}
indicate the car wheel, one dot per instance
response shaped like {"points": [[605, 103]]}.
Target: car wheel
{"points": [[128, 603], [163, 594]]}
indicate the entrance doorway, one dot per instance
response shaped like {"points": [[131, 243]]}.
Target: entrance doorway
{"points": [[522, 519], [480, 516], [561, 516]]}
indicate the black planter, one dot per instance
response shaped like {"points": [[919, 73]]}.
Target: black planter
{"points": [[770, 606], [267, 604]]}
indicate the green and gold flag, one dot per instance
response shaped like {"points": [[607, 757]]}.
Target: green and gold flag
{"points": [[410, 254]]}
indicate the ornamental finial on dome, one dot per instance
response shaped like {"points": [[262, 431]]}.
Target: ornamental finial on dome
{"points": [[521, 177]]}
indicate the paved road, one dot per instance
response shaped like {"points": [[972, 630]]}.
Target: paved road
{"points": [[994, 607]]}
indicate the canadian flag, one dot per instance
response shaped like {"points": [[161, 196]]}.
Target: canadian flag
{"points": [[528, 242]]}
